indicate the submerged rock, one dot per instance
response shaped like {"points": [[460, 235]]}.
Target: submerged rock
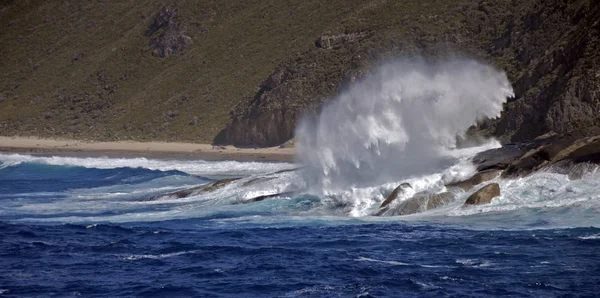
{"points": [[484, 195], [262, 198], [476, 179], [180, 194], [219, 184]]}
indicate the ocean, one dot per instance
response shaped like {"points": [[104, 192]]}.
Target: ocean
{"points": [[102, 227]]}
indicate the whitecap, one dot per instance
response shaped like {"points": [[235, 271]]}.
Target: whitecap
{"points": [[159, 256]]}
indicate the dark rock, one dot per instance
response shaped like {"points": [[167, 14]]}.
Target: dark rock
{"points": [[400, 189], [476, 179], [262, 198], [484, 195], [499, 158], [586, 150], [573, 170], [194, 190], [563, 148]]}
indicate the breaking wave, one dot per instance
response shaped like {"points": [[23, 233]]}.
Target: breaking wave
{"points": [[400, 122]]}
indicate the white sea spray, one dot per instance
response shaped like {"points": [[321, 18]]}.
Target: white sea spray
{"points": [[397, 123]]}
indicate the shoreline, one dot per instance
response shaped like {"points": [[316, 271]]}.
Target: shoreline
{"points": [[66, 147]]}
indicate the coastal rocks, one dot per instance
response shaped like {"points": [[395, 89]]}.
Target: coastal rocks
{"points": [[500, 158], [484, 195], [262, 198], [476, 179], [420, 202], [563, 149], [400, 189], [219, 184], [193, 191]]}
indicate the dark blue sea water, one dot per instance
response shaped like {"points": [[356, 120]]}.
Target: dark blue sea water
{"points": [[93, 227]]}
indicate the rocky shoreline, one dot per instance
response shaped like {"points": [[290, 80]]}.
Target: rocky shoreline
{"points": [[570, 154]]}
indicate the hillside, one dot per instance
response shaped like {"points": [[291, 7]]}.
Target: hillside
{"points": [[242, 72]]}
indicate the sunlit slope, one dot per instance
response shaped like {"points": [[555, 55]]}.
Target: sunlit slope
{"points": [[86, 69], [244, 72]]}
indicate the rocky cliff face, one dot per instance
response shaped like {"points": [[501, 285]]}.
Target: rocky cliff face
{"points": [[550, 50], [558, 48]]}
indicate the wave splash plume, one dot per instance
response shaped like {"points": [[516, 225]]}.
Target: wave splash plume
{"points": [[400, 122]]}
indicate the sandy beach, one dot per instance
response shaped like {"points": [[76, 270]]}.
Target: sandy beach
{"points": [[32, 145]]}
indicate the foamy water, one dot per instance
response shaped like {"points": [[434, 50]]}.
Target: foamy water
{"points": [[531, 201], [397, 126]]}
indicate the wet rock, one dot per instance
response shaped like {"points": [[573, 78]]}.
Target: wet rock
{"points": [[257, 180], [484, 195], [193, 191], [476, 179], [586, 150], [501, 158], [420, 202], [559, 149], [573, 170], [219, 184], [262, 198], [398, 190]]}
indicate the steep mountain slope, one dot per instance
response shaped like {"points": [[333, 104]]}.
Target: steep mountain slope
{"points": [[244, 72]]}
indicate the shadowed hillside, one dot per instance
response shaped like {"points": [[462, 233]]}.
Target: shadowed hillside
{"points": [[243, 72]]}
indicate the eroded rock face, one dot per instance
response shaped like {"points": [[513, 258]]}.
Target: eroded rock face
{"points": [[484, 195]]}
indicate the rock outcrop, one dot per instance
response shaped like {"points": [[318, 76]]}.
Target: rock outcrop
{"points": [[394, 195], [194, 191], [484, 195], [329, 41], [420, 202], [171, 38], [563, 149], [478, 178]]}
